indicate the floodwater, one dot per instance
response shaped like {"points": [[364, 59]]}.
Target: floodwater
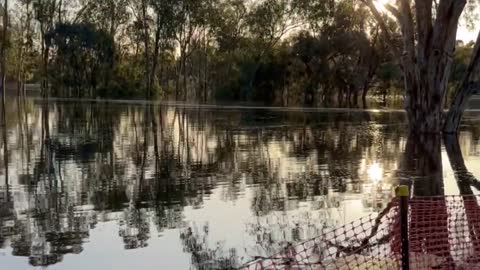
{"points": [[87, 185]]}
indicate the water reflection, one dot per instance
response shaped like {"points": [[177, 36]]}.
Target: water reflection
{"points": [[421, 166], [465, 179], [233, 183]]}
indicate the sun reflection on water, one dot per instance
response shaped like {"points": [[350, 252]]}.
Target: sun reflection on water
{"points": [[375, 173]]}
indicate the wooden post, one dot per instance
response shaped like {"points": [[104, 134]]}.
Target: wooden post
{"points": [[403, 194]]}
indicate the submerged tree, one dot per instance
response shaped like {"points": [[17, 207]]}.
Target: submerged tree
{"points": [[46, 17], [279, 52], [3, 52], [429, 32], [83, 58]]}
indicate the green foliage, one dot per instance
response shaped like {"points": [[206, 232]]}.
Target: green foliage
{"points": [[83, 55], [228, 23], [461, 61], [281, 52], [127, 81]]}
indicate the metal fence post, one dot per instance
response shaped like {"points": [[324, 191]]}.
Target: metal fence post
{"points": [[403, 194]]}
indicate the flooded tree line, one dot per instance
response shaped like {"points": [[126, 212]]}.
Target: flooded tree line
{"points": [[281, 52], [66, 167]]}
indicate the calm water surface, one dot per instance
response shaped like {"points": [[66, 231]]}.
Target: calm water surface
{"points": [[132, 186]]}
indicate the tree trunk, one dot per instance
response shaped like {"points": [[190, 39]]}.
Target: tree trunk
{"points": [[465, 181], [45, 54], [19, 85], [155, 55], [421, 166], [364, 96], [146, 41], [60, 18], [111, 70], [421, 169], [428, 47], [205, 71], [3, 60], [19, 71], [177, 79], [185, 84], [348, 99], [3, 110], [458, 107], [355, 99], [3, 126], [423, 116]]}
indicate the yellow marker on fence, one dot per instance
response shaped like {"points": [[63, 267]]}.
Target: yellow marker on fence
{"points": [[402, 191]]}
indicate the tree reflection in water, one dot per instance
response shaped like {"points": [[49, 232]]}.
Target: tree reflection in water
{"points": [[465, 181], [421, 169], [148, 168], [205, 256], [421, 166]]}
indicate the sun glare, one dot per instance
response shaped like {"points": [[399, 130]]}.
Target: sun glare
{"points": [[375, 172], [380, 4]]}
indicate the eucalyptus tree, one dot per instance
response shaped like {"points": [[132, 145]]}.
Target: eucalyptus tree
{"points": [[268, 22], [315, 13], [110, 16], [83, 56], [144, 19], [3, 59], [347, 32], [228, 27], [429, 32], [165, 23], [341, 51], [46, 16], [156, 25], [229, 24], [190, 18], [22, 38]]}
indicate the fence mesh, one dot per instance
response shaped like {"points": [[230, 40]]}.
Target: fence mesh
{"points": [[444, 233]]}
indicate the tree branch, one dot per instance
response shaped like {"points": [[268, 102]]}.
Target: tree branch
{"points": [[394, 11], [382, 25], [446, 24], [408, 29], [424, 26], [468, 86]]}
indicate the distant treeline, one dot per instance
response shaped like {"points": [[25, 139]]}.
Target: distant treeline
{"points": [[276, 52]]}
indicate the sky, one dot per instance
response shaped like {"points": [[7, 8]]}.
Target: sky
{"points": [[466, 34]]}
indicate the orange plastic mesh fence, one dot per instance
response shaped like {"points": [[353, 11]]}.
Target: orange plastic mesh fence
{"points": [[444, 233]]}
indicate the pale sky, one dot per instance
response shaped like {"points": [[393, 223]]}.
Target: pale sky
{"points": [[464, 33], [467, 35]]}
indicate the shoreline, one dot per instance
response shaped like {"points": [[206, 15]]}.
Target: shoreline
{"points": [[233, 107]]}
